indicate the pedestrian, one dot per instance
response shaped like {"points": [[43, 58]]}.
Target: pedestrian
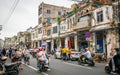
{"points": [[64, 52], [4, 52], [10, 53], [68, 53]]}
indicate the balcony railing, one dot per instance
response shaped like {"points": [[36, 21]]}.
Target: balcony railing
{"points": [[82, 24]]}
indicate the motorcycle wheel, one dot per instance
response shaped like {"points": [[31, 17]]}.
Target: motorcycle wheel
{"points": [[107, 69], [91, 63]]}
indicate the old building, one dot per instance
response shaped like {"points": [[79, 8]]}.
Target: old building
{"points": [[47, 15], [104, 37]]}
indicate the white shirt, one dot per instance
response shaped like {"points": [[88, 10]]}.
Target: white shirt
{"points": [[26, 51], [88, 54], [41, 55]]}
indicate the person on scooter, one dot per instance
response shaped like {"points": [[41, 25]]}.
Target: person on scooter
{"points": [[87, 54], [115, 61], [41, 56], [26, 54]]}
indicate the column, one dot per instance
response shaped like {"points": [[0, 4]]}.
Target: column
{"points": [[75, 40], [52, 44], [66, 42]]}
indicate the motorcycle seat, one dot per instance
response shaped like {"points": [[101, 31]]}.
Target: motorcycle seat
{"points": [[10, 65]]}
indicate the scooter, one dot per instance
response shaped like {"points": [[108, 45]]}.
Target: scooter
{"points": [[42, 66], [108, 69], [8, 69], [83, 60]]}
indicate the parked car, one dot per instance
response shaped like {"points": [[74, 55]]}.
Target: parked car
{"points": [[75, 55], [57, 54]]}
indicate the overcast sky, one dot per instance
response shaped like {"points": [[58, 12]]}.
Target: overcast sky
{"points": [[24, 16]]}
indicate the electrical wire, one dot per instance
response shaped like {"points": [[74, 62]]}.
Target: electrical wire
{"points": [[11, 12]]}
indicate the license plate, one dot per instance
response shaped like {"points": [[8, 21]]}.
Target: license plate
{"points": [[76, 54]]}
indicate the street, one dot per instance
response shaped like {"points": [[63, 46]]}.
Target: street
{"points": [[59, 67]]}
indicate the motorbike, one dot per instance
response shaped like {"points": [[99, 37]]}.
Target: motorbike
{"points": [[26, 59], [34, 54], [8, 69], [42, 65], [83, 60], [108, 69]]}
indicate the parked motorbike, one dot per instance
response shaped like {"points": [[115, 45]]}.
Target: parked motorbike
{"points": [[108, 69], [8, 69], [83, 60]]}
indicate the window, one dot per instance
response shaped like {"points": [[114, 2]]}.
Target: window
{"points": [[39, 30], [48, 11], [48, 20], [100, 16], [40, 11], [48, 32], [59, 13], [55, 29], [68, 24], [73, 20], [40, 20]]}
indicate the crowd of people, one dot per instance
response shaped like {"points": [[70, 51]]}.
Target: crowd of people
{"points": [[19, 55]]}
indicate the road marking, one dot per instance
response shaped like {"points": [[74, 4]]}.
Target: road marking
{"points": [[78, 65], [34, 68]]}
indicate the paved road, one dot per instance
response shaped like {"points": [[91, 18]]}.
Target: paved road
{"points": [[59, 67]]}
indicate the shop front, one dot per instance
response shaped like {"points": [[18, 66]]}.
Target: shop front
{"points": [[62, 42], [82, 40]]}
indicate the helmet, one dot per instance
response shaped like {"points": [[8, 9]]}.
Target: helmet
{"points": [[40, 49]]}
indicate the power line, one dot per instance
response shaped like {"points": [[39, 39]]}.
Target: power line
{"points": [[11, 11]]}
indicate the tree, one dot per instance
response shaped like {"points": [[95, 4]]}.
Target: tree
{"points": [[58, 22]]}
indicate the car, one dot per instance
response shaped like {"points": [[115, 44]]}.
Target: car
{"points": [[57, 54], [75, 55]]}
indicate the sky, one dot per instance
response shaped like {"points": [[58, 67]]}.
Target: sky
{"points": [[24, 16]]}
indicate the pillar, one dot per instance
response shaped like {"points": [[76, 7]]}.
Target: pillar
{"points": [[76, 44]]}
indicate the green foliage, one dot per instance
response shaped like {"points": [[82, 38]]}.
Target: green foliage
{"points": [[28, 33], [75, 10], [20, 43], [57, 42], [58, 20]]}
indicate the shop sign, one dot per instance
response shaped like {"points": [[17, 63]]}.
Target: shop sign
{"points": [[87, 34]]}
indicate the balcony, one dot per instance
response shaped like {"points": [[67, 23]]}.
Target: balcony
{"points": [[82, 25]]}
